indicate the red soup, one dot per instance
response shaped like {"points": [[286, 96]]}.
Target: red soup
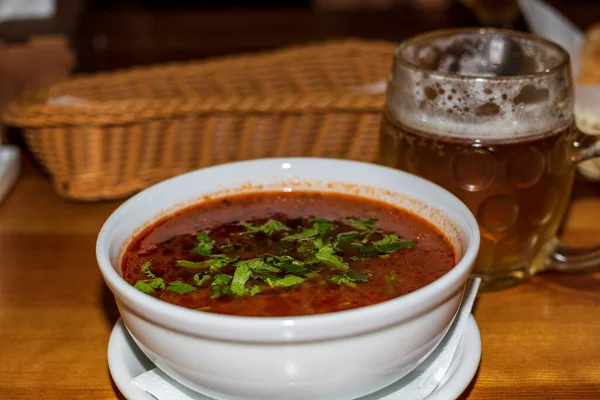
{"points": [[286, 254]]}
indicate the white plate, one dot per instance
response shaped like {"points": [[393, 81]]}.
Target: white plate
{"points": [[126, 361]]}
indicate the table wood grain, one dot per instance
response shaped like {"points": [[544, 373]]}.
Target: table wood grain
{"points": [[541, 340]]}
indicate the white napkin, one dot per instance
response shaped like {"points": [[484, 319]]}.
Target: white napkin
{"points": [[163, 387], [417, 385]]}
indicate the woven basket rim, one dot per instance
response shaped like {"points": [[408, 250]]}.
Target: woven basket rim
{"points": [[32, 109], [138, 110]]}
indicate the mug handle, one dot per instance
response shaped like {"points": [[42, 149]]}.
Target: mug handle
{"points": [[567, 258]]}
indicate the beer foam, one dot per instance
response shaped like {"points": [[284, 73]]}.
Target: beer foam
{"points": [[457, 93]]}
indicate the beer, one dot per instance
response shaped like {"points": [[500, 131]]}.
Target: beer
{"points": [[488, 115], [518, 190]]}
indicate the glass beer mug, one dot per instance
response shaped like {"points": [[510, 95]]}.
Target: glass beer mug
{"points": [[488, 114]]}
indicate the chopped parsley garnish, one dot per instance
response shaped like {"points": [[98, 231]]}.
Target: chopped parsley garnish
{"points": [[388, 244], [286, 281], [322, 224], [204, 247], [345, 279], [190, 264], [287, 263], [306, 233], [220, 286], [218, 261], [366, 225], [255, 290], [257, 264], [313, 249], [240, 277], [389, 282], [149, 285], [326, 255], [199, 281], [180, 287], [269, 227]]}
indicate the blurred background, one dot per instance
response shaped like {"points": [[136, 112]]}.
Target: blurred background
{"points": [[89, 36], [109, 34]]}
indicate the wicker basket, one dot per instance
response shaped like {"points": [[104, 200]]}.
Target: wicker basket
{"points": [[109, 135]]}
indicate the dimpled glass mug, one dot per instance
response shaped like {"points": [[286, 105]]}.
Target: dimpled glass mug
{"points": [[488, 114]]}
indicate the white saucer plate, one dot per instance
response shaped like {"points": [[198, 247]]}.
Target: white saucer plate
{"points": [[126, 361]]}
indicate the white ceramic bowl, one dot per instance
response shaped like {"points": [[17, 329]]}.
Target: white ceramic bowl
{"points": [[333, 356]]}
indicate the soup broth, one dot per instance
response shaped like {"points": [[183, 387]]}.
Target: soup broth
{"points": [[286, 254]]}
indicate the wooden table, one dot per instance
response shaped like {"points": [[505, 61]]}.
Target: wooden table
{"points": [[540, 340]]}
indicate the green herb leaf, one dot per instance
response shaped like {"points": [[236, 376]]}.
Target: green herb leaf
{"points": [[142, 286], [305, 234], [345, 237], [220, 285], [227, 244], [305, 247], [287, 263], [240, 277], [218, 261], [203, 237], [389, 248], [365, 225], [204, 247], [190, 264], [269, 227], [148, 285], [388, 244], [146, 270], [388, 239], [294, 269], [221, 279], [257, 265], [198, 281], [364, 249], [318, 243], [345, 279], [321, 224], [313, 275], [286, 281], [389, 283], [180, 287], [326, 255], [255, 290], [392, 276]]}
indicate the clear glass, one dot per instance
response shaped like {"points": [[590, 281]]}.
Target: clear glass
{"points": [[488, 114]]}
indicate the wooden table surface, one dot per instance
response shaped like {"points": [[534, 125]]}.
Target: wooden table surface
{"points": [[540, 340]]}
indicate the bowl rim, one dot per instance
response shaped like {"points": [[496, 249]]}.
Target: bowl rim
{"points": [[295, 328]]}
